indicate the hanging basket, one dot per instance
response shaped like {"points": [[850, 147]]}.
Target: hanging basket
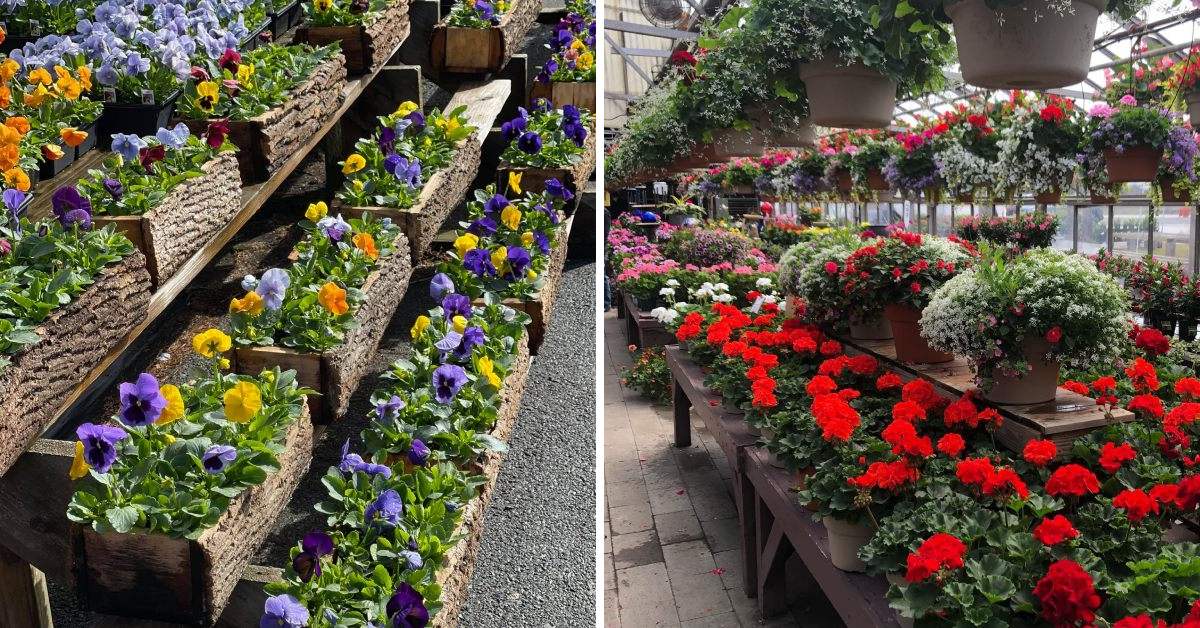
{"points": [[732, 143], [1193, 107], [875, 180], [1136, 163], [842, 180], [1048, 198], [848, 96], [1097, 198], [1027, 46], [1167, 186]]}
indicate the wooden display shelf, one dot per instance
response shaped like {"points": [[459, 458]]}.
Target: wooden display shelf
{"points": [[782, 526], [481, 50], [582, 94], [450, 185], [574, 177], [728, 427], [644, 330], [1070, 416]]}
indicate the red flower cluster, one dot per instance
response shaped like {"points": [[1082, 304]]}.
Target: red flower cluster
{"points": [[888, 381], [835, 417], [1054, 530], [951, 445], [1004, 482], [910, 411], [1052, 113], [690, 327], [902, 436], [889, 476], [1039, 453], [922, 392], [763, 391], [1076, 387], [1152, 341], [1073, 480], [1068, 595], [820, 385], [1140, 621], [1136, 503], [1147, 403], [1143, 376], [1105, 387], [974, 471], [940, 551], [1188, 388], [1113, 456]]}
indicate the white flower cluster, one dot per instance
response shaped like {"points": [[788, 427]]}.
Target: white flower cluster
{"points": [[1024, 163], [797, 258], [709, 291], [966, 173]]}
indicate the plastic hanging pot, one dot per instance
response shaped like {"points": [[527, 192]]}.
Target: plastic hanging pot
{"points": [[842, 181], [1169, 195], [1193, 107], [1039, 385], [848, 96], [1051, 197], [732, 143], [1135, 163], [875, 180], [1029, 45]]}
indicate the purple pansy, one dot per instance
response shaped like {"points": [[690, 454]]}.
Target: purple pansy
{"points": [[334, 228], [387, 507], [353, 463], [406, 608], [273, 287], [448, 379], [418, 452], [283, 611], [530, 142], [518, 260], [141, 402], [479, 261], [456, 305], [484, 226], [471, 337], [313, 546], [99, 444], [440, 286], [217, 457]]}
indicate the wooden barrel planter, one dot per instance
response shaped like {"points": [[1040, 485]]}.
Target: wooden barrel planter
{"points": [[75, 339], [456, 50], [335, 373], [366, 47], [449, 186], [539, 305], [580, 94], [186, 219], [266, 141], [154, 576], [575, 177]]}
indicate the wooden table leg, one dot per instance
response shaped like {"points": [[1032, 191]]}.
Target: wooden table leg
{"points": [[23, 590], [681, 407], [773, 551], [747, 518]]}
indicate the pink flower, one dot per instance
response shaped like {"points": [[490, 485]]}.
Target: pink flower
{"points": [[1101, 110], [1128, 100]]}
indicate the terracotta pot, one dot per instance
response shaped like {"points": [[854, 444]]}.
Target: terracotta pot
{"points": [[1137, 163], [875, 180], [1039, 385], [1169, 195], [1102, 200], [1048, 198], [845, 539], [848, 96], [1193, 107], [843, 181], [876, 328], [906, 329], [1028, 46], [965, 198]]}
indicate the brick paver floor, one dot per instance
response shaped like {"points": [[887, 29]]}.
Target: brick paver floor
{"points": [[671, 555]]}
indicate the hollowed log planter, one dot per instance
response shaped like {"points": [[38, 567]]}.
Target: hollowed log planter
{"points": [[481, 50], [575, 176], [1029, 46], [75, 339], [580, 94], [367, 47], [849, 96], [265, 142], [335, 373], [186, 219], [1136, 163], [154, 576], [540, 304]]}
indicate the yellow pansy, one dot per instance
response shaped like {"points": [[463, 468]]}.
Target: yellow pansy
{"points": [[207, 96], [37, 96], [511, 217], [174, 410], [501, 6], [514, 181], [170, 439], [419, 326], [585, 61], [251, 304], [466, 242], [322, 5], [69, 87], [224, 363], [211, 342], [527, 239], [460, 323], [447, 124], [242, 402], [40, 76], [488, 370], [353, 164], [316, 211], [530, 275], [578, 44], [85, 77], [406, 108], [16, 178], [500, 258], [9, 69], [244, 72], [79, 466], [358, 185]]}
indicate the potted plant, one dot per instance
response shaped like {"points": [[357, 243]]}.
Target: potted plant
{"points": [[809, 271], [804, 176], [1146, 80], [479, 36], [1187, 307], [545, 144], [902, 271], [1132, 139], [368, 32], [52, 112], [680, 210], [967, 159], [1039, 147], [1017, 357], [1181, 86], [569, 75], [1177, 171], [1031, 44], [914, 168]]}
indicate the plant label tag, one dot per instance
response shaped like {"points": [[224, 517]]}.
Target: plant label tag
{"points": [[758, 303], [147, 97], [35, 28], [109, 94]]}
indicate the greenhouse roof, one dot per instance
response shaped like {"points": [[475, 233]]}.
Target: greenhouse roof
{"points": [[636, 50]]}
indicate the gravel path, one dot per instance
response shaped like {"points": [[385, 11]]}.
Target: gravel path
{"points": [[537, 564]]}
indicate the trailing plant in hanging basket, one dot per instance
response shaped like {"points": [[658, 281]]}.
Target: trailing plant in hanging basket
{"points": [[1039, 146], [1132, 139], [967, 160], [914, 168], [1181, 87]]}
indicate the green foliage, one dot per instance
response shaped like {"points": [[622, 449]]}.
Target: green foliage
{"points": [[342, 12], [649, 374], [262, 81]]}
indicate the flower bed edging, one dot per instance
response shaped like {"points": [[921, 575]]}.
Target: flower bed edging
{"points": [[186, 219], [75, 338], [189, 581], [366, 47], [337, 372]]}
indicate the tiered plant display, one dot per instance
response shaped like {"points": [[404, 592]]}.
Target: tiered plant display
{"points": [[480, 36], [168, 193], [569, 76], [52, 112], [324, 316], [183, 484], [545, 144], [369, 32], [273, 99]]}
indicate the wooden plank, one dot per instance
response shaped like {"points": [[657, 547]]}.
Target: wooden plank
{"points": [[34, 495], [481, 51], [26, 602], [253, 198]]}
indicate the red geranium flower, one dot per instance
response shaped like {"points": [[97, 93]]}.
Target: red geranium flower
{"points": [[1054, 530], [1072, 479], [820, 385], [831, 347], [1003, 482], [940, 551], [835, 417], [1152, 341], [974, 471], [961, 411], [1136, 503], [1147, 403], [1076, 387], [921, 391], [1113, 456], [888, 476], [1052, 113], [1039, 453], [1068, 594], [1141, 621], [951, 445], [1143, 376], [1188, 388], [833, 367], [1054, 335], [910, 411], [862, 365], [888, 381]]}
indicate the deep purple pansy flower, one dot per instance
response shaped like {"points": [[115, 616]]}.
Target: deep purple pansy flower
{"points": [[484, 226], [99, 444], [114, 188], [417, 120], [217, 457], [471, 337], [456, 305], [313, 546], [542, 242], [518, 260], [418, 452], [495, 204], [448, 379], [530, 142], [386, 507], [554, 187], [406, 609], [479, 261], [141, 402]]}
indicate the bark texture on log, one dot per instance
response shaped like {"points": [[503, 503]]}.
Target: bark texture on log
{"points": [[190, 215], [75, 338], [285, 129]]}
